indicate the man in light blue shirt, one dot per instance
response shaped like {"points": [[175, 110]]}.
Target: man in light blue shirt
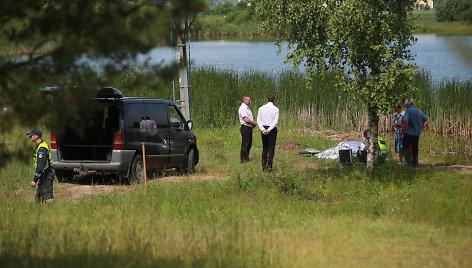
{"points": [[414, 121]]}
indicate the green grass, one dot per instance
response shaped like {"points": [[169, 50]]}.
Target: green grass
{"points": [[217, 25], [308, 212], [427, 24], [211, 25], [425, 16]]}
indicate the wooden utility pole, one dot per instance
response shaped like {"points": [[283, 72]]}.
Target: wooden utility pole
{"points": [[182, 45]]}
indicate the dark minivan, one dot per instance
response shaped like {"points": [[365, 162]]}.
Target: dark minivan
{"points": [[113, 139]]}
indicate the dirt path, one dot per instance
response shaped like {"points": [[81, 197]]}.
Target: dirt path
{"points": [[461, 169], [65, 192], [74, 192]]}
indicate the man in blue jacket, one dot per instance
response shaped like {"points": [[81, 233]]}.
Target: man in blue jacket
{"points": [[414, 121], [44, 174]]}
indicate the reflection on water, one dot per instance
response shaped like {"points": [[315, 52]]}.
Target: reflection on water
{"points": [[462, 46], [444, 57]]}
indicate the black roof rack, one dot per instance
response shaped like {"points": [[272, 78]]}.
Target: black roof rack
{"points": [[102, 92]]}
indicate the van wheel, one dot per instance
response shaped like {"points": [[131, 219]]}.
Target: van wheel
{"points": [[63, 176], [136, 174], [190, 162]]}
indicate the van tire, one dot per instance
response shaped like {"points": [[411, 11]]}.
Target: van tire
{"points": [[136, 172], [190, 162]]}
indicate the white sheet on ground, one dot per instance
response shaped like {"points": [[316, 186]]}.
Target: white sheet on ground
{"points": [[333, 153]]}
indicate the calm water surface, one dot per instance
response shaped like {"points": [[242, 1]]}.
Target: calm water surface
{"points": [[444, 57]]}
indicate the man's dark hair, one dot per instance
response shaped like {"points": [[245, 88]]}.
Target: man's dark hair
{"points": [[271, 98]]}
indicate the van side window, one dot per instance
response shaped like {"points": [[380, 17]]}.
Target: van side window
{"points": [[157, 113], [176, 120], [134, 115]]}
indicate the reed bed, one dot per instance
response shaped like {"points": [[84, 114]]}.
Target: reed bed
{"points": [[216, 96]]}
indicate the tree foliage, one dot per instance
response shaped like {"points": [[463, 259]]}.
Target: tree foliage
{"points": [[48, 39], [227, 17], [365, 42]]}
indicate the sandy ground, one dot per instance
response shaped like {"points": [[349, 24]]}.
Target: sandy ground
{"points": [[75, 191]]}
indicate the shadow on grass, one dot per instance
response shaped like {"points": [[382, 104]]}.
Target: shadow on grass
{"points": [[93, 261], [386, 172], [114, 179]]}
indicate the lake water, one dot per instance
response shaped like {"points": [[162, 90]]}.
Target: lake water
{"points": [[444, 57]]}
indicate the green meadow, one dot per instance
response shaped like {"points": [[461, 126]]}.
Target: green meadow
{"points": [[240, 23], [308, 212], [427, 23]]}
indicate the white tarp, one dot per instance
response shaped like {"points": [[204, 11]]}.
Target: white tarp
{"points": [[333, 153]]}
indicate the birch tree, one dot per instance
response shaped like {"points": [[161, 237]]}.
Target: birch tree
{"points": [[365, 42]]}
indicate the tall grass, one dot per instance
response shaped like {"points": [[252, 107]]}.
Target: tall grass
{"points": [[447, 104], [216, 96]]}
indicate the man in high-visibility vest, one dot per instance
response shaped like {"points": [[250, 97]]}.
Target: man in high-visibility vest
{"points": [[382, 149], [44, 174]]}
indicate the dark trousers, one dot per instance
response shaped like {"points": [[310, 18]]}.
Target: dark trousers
{"points": [[45, 187], [410, 143], [362, 156], [268, 148], [246, 143]]}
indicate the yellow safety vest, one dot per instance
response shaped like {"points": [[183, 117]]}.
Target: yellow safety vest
{"points": [[43, 144], [382, 146]]}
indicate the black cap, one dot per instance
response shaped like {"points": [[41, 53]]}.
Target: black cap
{"points": [[34, 131]]}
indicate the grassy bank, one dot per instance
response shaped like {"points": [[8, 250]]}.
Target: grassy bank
{"points": [[308, 212], [427, 23], [241, 24]]}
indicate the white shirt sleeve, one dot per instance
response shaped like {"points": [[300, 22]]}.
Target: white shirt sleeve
{"points": [[259, 120], [242, 112], [276, 120]]}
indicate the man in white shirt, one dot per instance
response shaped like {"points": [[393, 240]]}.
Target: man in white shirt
{"points": [[247, 124], [267, 120]]}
